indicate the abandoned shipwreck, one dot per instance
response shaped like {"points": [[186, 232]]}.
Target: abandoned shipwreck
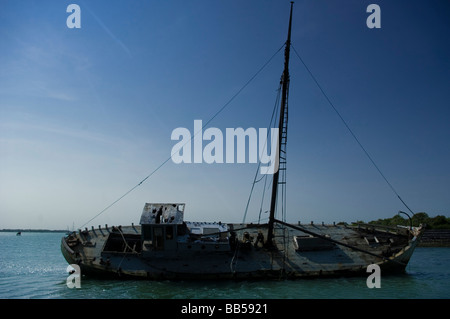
{"points": [[165, 246]]}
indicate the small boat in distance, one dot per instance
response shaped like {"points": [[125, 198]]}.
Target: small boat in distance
{"points": [[165, 246]]}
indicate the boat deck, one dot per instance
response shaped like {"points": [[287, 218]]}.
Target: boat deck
{"points": [[336, 250]]}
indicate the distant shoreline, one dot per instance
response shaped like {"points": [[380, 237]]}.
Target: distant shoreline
{"points": [[33, 230]]}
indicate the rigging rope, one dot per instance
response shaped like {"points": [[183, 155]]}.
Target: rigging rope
{"points": [[350, 130], [195, 133], [274, 116]]}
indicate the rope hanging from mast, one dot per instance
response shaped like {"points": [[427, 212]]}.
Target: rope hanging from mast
{"points": [[256, 180]]}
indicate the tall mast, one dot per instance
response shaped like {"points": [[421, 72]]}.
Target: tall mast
{"points": [[282, 131]]}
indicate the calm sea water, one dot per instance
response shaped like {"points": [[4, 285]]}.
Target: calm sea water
{"points": [[31, 266]]}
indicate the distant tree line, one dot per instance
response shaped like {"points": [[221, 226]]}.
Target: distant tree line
{"points": [[437, 222]]}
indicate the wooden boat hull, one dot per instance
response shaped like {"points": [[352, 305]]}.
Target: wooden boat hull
{"points": [[121, 253]]}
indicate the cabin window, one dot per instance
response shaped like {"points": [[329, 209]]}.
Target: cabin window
{"points": [[169, 232], [158, 239], [182, 229]]}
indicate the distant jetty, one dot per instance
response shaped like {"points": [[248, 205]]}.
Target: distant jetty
{"points": [[435, 238]]}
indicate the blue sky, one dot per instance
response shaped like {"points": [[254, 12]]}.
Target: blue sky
{"points": [[86, 114]]}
